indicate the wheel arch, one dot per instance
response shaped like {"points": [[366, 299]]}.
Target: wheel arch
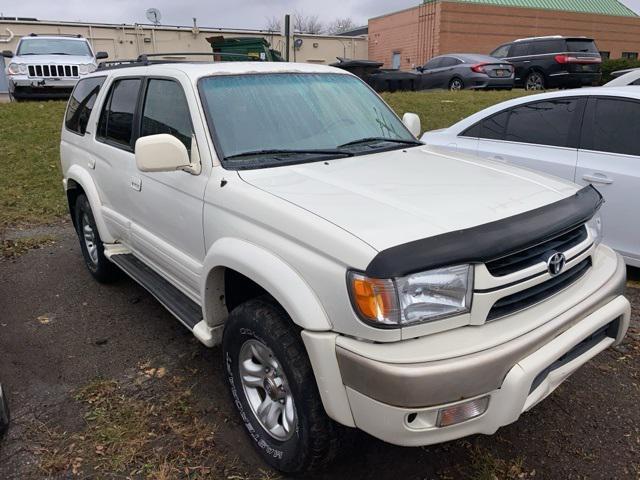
{"points": [[234, 263], [78, 181]]}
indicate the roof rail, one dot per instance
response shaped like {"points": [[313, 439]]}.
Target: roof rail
{"points": [[539, 38], [73, 35], [145, 60]]}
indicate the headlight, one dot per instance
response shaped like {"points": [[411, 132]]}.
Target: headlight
{"points": [[594, 227], [16, 68], [417, 298], [86, 68]]}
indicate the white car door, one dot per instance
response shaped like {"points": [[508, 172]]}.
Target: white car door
{"points": [[111, 156], [166, 230], [540, 135], [609, 159]]}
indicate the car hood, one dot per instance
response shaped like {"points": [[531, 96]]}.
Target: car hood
{"points": [[56, 59], [387, 199]]}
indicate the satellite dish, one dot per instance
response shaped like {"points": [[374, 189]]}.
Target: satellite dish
{"points": [[154, 16]]}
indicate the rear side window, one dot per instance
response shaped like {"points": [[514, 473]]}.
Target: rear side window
{"points": [[542, 123], [449, 62], [583, 46], [491, 128], [433, 63], [612, 126], [81, 103], [116, 118], [166, 111], [543, 47]]}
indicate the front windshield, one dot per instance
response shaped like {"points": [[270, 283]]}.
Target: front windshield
{"points": [[53, 46], [282, 118]]}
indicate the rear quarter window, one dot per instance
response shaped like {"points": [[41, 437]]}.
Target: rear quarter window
{"points": [[81, 104]]}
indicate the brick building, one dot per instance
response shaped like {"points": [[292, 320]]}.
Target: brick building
{"points": [[410, 37]]}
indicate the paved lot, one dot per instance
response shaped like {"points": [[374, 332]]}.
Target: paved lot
{"points": [[60, 331]]}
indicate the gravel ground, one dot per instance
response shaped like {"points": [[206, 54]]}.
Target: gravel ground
{"points": [[60, 331]]}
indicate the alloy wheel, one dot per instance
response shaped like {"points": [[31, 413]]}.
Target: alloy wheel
{"points": [[89, 237]]}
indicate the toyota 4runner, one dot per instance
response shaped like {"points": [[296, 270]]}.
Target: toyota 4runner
{"points": [[353, 276]]}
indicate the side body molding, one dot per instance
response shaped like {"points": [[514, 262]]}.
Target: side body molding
{"points": [[82, 177], [269, 271]]}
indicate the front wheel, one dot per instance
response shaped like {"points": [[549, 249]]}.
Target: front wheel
{"points": [[534, 81], [274, 390]]}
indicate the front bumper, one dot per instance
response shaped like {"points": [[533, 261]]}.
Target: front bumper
{"points": [[22, 86], [399, 402]]}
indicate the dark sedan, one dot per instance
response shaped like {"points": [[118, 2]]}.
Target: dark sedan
{"points": [[458, 71]]}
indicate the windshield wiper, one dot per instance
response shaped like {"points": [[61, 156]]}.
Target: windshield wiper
{"points": [[58, 53], [277, 152], [380, 139]]}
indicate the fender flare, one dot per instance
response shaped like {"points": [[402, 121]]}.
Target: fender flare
{"points": [[269, 271], [82, 178]]}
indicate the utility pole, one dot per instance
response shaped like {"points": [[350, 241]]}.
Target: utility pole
{"points": [[287, 35]]}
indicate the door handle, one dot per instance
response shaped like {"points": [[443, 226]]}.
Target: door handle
{"points": [[597, 178]]}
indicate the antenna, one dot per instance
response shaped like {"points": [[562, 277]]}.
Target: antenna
{"points": [[153, 15]]}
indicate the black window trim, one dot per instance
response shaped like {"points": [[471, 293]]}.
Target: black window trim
{"points": [[573, 141], [136, 114], [97, 97], [586, 126], [142, 98]]}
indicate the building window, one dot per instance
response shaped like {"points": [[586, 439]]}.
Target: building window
{"points": [[605, 55], [630, 55]]}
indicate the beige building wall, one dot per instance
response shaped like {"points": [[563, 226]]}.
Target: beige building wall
{"points": [[129, 41]]}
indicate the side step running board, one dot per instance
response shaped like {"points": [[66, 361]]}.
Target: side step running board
{"points": [[181, 306]]}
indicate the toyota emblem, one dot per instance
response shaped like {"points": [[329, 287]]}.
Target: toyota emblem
{"points": [[555, 263]]}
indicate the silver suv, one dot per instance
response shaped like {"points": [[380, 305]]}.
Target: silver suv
{"points": [[49, 66]]}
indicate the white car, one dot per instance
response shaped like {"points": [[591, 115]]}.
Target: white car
{"points": [[354, 277], [632, 77], [48, 66], [588, 136]]}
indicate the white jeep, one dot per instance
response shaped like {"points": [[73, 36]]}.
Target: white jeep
{"points": [[354, 276], [48, 66]]}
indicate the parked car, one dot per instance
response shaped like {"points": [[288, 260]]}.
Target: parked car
{"points": [[552, 62], [4, 412], [589, 137], [458, 71], [49, 66], [354, 277], [380, 79], [629, 77]]}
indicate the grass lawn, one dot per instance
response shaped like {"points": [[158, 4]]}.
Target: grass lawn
{"points": [[30, 184]]}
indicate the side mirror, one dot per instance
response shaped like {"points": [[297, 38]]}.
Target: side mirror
{"points": [[161, 153], [101, 55], [412, 122], [7, 54]]}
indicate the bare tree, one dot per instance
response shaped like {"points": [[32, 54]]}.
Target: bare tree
{"points": [[341, 25], [307, 23], [274, 24]]}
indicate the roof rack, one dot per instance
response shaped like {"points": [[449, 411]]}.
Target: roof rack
{"points": [[73, 35], [173, 57]]}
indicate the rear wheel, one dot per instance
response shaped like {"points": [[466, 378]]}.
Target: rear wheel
{"points": [[91, 245], [456, 84], [274, 390], [534, 81]]}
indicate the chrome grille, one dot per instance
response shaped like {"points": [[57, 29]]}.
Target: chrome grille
{"points": [[536, 294], [49, 71], [526, 258]]}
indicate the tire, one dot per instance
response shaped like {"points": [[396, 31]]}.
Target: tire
{"points": [[456, 84], [91, 245], [312, 440], [534, 81]]}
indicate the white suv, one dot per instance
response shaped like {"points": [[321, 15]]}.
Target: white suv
{"points": [[49, 66], [354, 276]]}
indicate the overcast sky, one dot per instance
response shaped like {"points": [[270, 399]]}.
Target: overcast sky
{"points": [[210, 13]]}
